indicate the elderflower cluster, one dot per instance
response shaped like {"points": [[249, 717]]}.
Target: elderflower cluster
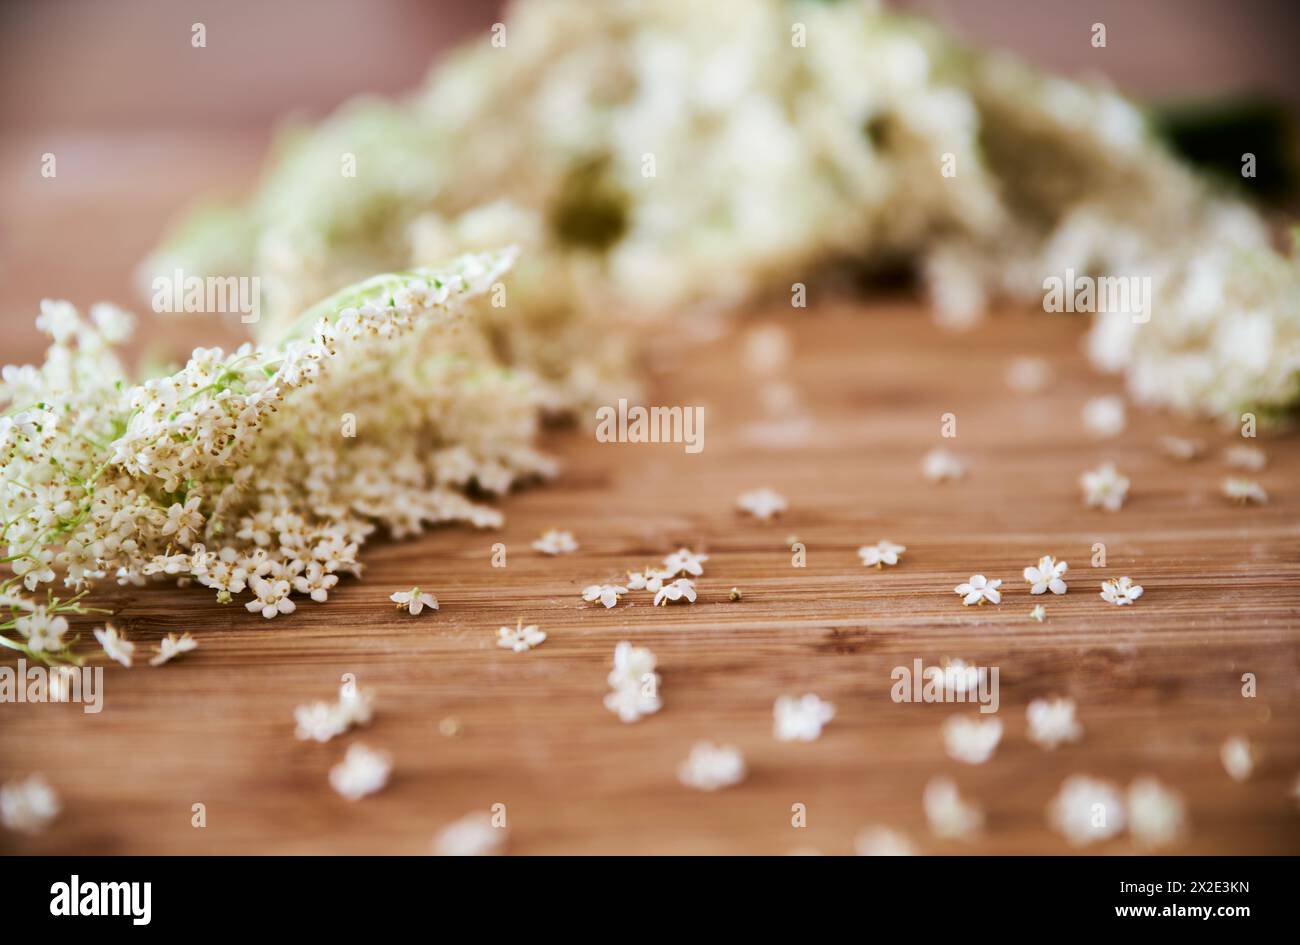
{"points": [[258, 473]]}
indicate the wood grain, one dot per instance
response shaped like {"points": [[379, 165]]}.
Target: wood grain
{"points": [[1158, 684]]}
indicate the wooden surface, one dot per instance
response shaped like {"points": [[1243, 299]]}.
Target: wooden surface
{"points": [[1157, 684]]}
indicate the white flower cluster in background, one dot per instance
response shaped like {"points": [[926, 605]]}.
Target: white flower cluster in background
{"points": [[257, 472]]}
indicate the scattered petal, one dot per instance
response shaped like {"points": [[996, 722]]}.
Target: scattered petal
{"points": [[171, 646], [472, 835], [951, 817], [1052, 722], [1087, 810], [971, 740], [1120, 592], [762, 503], [712, 767], [554, 542], [800, 718], [362, 771], [980, 589]]}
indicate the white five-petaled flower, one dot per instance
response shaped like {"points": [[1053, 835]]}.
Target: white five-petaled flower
{"points": [[1039, 613], [362, 771], [1086, 810], [28, 805], [1046, 576], [1244, 491], [115, 645], [555, 542], [607, 594], [1245, 457], [271, 597], [939, 465], [1156, 815], [1052, 722], [683, 560], [712, 767], [881, 841], [951, 817], [1120, 592], [800, 718], [472, 835], [882, 553], [680, 589], [414, 600], [762, 503], [172, 646], [980, 589], [634, 682], [1104, 416], [647, 580], [1104, 487], [1238, 757], [43, 631], [315, 582], [971, 740], [520, 638], [321, 721]]}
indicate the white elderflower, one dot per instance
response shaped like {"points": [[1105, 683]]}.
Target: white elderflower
{"points": [[1238, 757], [271, 597], [171, 646], [315, 582], [1086, 810], [1251, 458], [472, 835], [881, 841], [882, 553], [680, 589], [554, 542], [980, 589], [712, 767], [1046, 576], [939, 465], [961, 678], [414, 600], [634, 682], [647, 580], [1039, 613], [28, 805], [800, 718], [1052, 722], [1182, 448], [1244, 491], [321, 721], [1028, 375], [607, 594], [684, 561], [42, 630], [1104, 487], [1156, 815], [362, 771], [951, 817], [762, 503], [1103, 417], [1120, 592], [971, 740], [520, 638], [115, 645]]}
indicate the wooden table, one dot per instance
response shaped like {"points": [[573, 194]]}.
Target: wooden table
{"points": [[1158, 684]]}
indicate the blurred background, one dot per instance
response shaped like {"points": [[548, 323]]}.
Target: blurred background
{"points": [[143, 124]]}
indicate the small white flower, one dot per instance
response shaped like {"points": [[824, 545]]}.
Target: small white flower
{"points": [[800, 718], [315, 583], [951, 817], [29, 805], [414, 600], [880, 554], [647, 580], [321, 721], [762, 503], [1120, 592], [43, 631], [554, 542], [1104, 487], [472, 835], [881, 841], [1052, 722], [685, 561], [362, 771], [1039, 613], [1046, 576], [1027, 375], [1244, 491], [1104, 416], [961, 678], [1156, 814], [1182, 448], [1238, 757], [680, 589], [634, 682], [1245, 457], [607, 594], [712, 767], [172, 646], [971, 740], [980, 589], [271, 597], [939, 465], [1086, 810], [520, 638], [117, 646]]}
